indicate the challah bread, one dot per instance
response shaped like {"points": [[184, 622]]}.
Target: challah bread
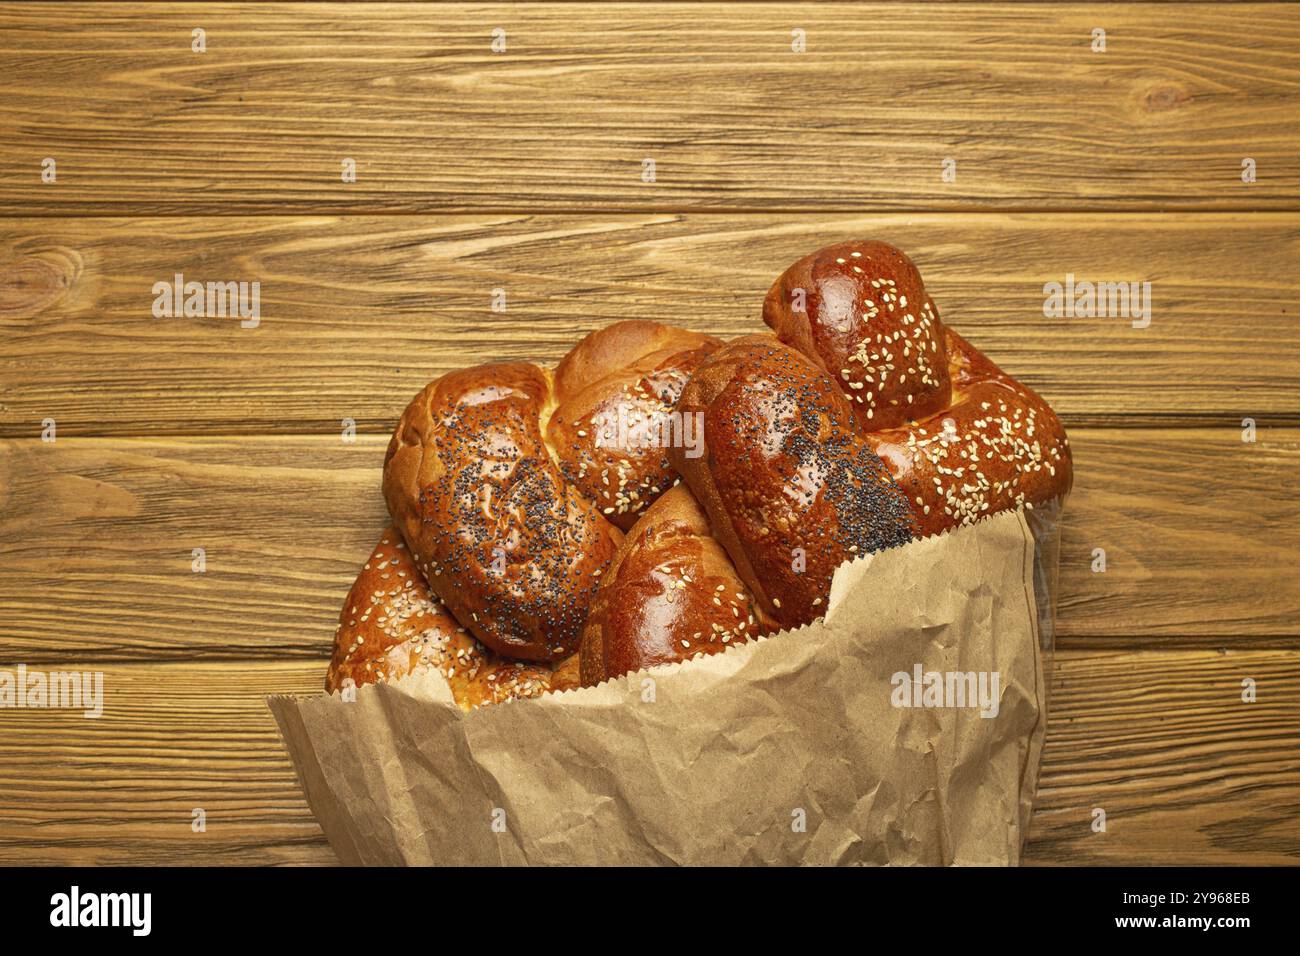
{"points": [[996, 447], [860, 312], [961, 437], [477, 483], [391, 625], [790, 487], [615, 392], [871, 424], [670, 594]]}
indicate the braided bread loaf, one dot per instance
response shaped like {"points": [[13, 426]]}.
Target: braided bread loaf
{"points": [[867, 424], [391, 625], [862, 423], [507, 502]]}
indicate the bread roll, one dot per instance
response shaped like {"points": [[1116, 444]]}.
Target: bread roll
{"points": [[792, 490], [497, 505], [391, 625], [671, 594]]}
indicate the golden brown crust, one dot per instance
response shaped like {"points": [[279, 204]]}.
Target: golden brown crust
{"points": [[616, 392], [960, 436], [671, 594], [567, 675], [391, 625], [791, 488], [511, 514], [998, 446], [867, 321], [617, 346], [505, 542]]}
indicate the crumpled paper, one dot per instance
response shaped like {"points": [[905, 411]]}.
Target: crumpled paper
{"points": [[793, 749]]}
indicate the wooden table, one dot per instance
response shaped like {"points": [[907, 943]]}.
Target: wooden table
{"points": [[525, 171]]}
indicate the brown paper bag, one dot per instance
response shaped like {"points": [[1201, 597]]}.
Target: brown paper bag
{"points": [[792, 749]]}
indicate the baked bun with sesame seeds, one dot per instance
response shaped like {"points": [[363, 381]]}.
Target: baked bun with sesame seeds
{"points": [[998, 446], [391, 626], [511, 520], [671, 594], [615, 393], [860, 311], [959, 435]]}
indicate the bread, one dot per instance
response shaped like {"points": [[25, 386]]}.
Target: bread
{"points": [[615, 394], [673, 595], [790, 487], [995, 447], [391, 625], [866, 424], [860, 312], [661, 496], [504, 498], [961, 437]]}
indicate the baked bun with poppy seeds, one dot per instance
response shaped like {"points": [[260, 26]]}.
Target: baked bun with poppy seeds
{"points": [[498, 507], [391, 625], [791, 488]]}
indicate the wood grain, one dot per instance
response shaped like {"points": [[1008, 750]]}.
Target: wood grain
{"points": [[1185, 771], [358, 313], [140, 125], [522, 171], [97, 535], [122, 788]]}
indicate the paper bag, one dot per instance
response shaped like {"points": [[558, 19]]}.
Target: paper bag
{"points": [[861, 738]]}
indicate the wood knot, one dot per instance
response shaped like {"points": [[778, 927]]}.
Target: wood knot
{"points": [[1160, 99], [31, 283]]}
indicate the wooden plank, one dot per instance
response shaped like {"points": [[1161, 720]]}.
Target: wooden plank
{"points": [[123, 788], [97, 536], [97, 541], [1186, 772], [1197, 527], [138, 124], [358, 313]]}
